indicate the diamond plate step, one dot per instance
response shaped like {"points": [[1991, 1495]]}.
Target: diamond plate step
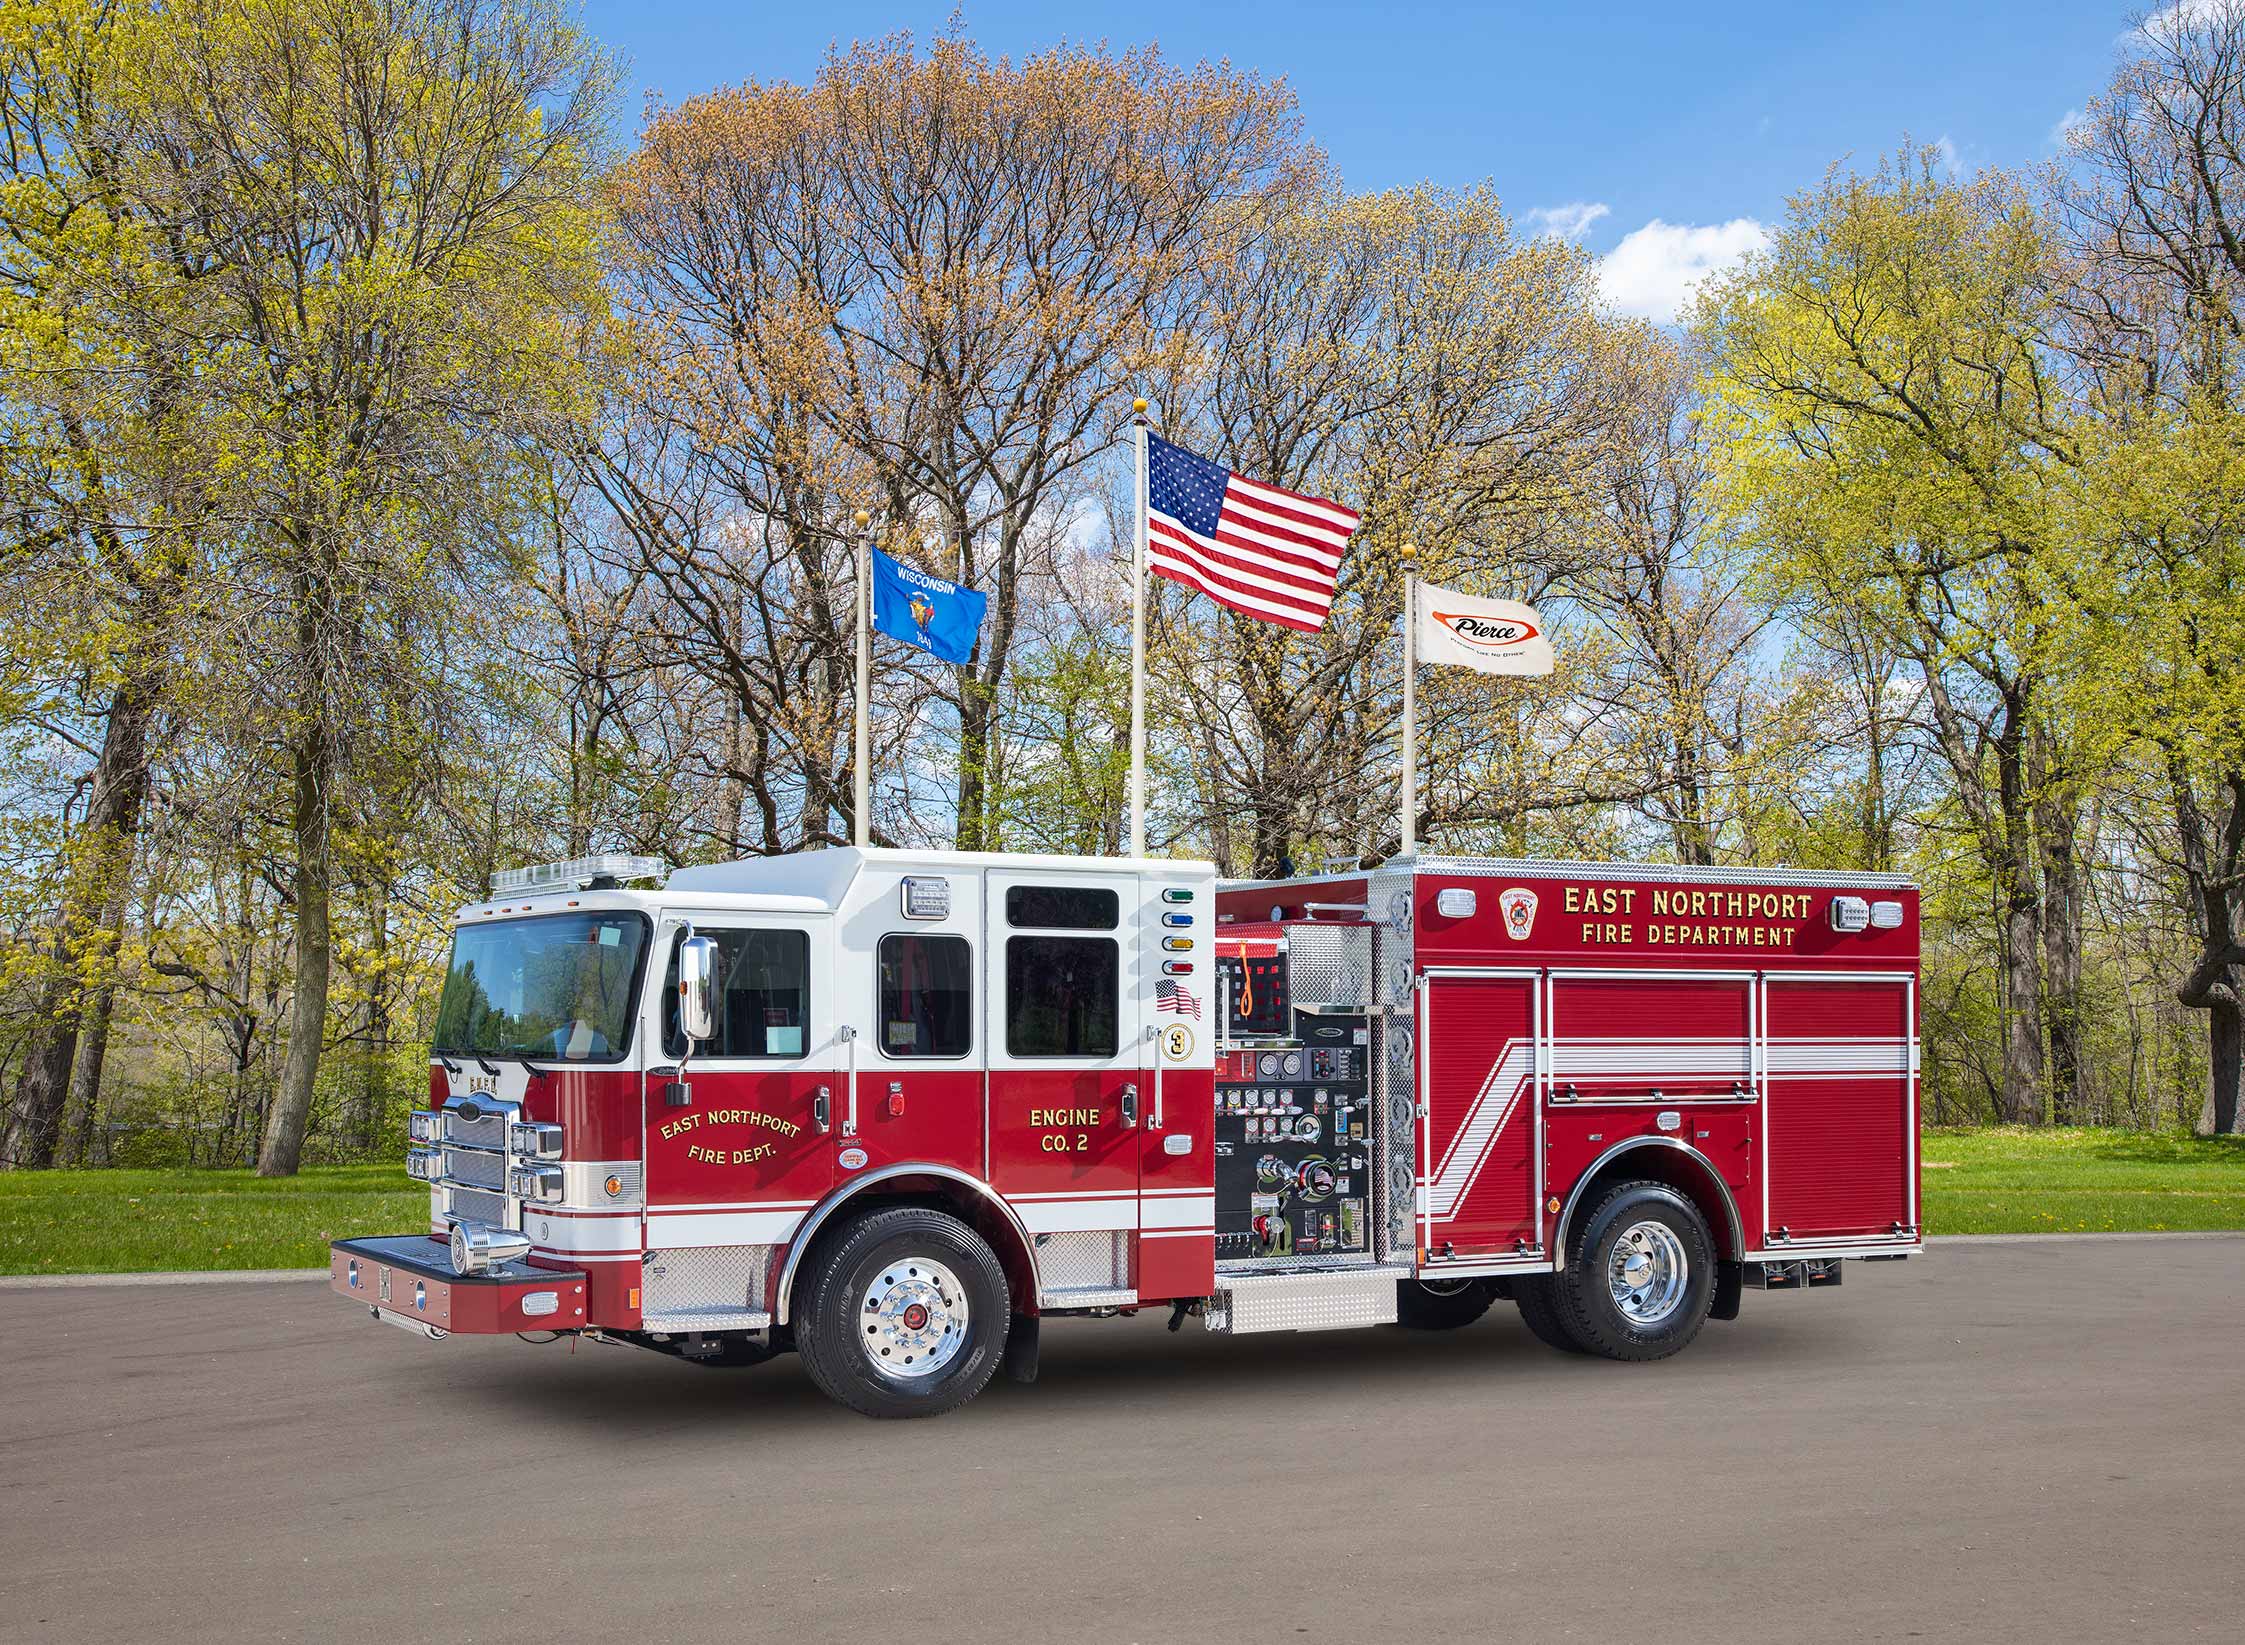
{"points": [[1339, 1300], [687, 1321], [1086, 1296]]}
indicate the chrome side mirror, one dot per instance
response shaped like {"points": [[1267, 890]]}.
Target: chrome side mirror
{"points": [[697, 990]]}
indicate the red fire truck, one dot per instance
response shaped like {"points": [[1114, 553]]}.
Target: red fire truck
{"points": [[893, 1108]]}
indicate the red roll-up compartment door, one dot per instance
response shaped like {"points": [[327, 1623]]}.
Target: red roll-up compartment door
{"points": [[1840, 1107]]}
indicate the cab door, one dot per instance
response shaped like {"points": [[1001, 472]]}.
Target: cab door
{"points": [[743, 1145], [1067, 1096]]}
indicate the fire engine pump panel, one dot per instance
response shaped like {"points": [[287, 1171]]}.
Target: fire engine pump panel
{"points": [[1297, 1139]]}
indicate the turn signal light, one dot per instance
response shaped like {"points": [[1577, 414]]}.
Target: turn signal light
{"points": [[1178, 945]]}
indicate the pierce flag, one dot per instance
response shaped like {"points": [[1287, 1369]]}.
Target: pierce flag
{"points": [[1494, 636]]}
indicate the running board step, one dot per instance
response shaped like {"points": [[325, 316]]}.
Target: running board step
{"points": [[1334, 1301], [1086, 1296], [684, 1322]]}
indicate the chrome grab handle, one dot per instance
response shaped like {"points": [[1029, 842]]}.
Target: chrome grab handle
{"points": [[1153, 1033], [1130, 1105], [822, 1109]]}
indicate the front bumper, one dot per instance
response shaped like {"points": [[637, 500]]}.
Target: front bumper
{"points": [[408, 1279]]}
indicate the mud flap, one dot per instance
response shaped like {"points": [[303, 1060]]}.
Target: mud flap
{"points": [[1730, 1281], [1021, 1348]]}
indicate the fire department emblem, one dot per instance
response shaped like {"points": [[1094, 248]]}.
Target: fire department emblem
{"points": [[1518, 905]]}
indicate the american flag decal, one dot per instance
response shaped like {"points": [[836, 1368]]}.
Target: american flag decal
{"points": [[1171, 996]]}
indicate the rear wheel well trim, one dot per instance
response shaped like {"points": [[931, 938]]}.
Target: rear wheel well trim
{"points": [[1632, 1145], [806, 1232]]}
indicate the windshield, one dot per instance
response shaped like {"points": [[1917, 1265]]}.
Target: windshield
{"points": [[558, 987]]}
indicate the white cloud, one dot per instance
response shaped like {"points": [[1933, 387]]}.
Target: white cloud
{"points": [[2061, 134], [2170, 20], [1946, 147], [1568, 222], [1653, 270]]}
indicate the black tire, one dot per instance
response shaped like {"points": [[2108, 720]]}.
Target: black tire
{"points": [[874, 1361], [1671, 1237], [1539, 1311], [1440, 1305]]}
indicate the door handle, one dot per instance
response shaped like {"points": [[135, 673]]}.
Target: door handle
{"points": [[822, 1109], [1130, 1105]]}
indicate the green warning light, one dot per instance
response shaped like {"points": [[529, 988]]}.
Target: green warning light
{"points": [[1176, 894]]}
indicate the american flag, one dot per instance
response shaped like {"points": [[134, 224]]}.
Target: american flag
{"points": [[1268, 552], [1169, 996]]}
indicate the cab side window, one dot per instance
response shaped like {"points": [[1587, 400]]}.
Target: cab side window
{"points": [[927, 995], [764, 1004], [1061, 996]]}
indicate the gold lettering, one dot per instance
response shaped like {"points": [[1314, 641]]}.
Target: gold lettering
{"points": [[1574, 900]]}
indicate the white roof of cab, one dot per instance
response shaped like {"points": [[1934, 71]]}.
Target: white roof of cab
{"points": [[825, 876]]}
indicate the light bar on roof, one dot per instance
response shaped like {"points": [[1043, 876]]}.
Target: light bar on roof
{"points": [[573, 871]]}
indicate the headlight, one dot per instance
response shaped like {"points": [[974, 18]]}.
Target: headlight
{"points": [[477, 1246], [534, 1139], [538, 1184], [425, 1125], [424, 1164]]}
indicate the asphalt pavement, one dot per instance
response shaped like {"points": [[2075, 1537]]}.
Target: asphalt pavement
{"points": [[2034, 1441]]}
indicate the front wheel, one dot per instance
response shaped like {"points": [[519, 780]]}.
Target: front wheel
{"points": [[1641, 1277], [904, 1315]]}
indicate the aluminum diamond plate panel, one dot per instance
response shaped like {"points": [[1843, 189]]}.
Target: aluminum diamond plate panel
{"points": [[1093, 1259], [1306, 1302], [706, 1280]]}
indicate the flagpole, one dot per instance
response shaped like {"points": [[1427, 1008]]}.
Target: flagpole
{"points": [[1410, 702], [861, 784], [1138, 642]]}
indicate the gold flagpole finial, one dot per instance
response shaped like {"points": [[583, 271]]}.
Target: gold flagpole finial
{"points": [[1138, 408], [1410, 551], [863, 519]]}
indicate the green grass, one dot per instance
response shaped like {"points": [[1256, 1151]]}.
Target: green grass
{"points": [[2012, 1180], [108, 1222], [2004, 1181]]}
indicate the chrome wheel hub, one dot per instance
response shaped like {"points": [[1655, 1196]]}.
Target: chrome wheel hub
{"points": [[913, 1319], [1648, 1272]]}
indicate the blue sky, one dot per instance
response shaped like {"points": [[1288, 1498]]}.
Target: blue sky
{"points": [[1700, 119]]}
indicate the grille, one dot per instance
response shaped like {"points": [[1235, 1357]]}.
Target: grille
{"points": [[488, 1132], [476, 1205], [473, 1169]]}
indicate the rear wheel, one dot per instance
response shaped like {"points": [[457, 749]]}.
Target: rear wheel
{"points": [[1539, 1311], [1440, 1304], [1641, 1277], [904, 1314]]}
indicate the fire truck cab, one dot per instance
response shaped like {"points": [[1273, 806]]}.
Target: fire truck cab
{"points": [[893, 1108]]}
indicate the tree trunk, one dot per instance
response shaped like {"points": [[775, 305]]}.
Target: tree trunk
{"points": [[2225, 1038], [2022, 1020], [2064, 896], [101, 864], [975, 728], [282, 1150]]}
